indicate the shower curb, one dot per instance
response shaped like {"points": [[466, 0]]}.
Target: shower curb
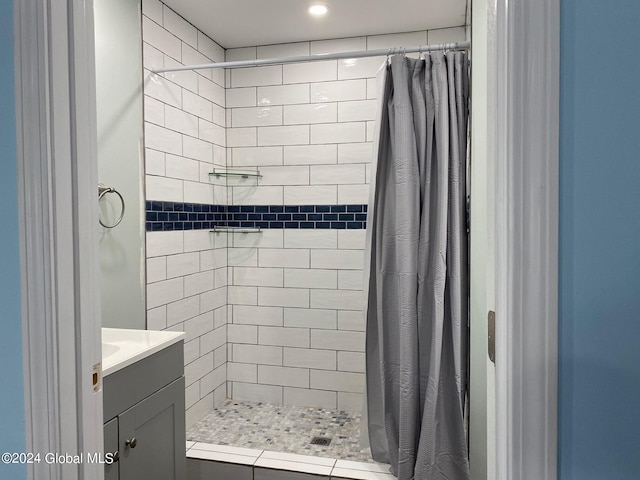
{"points": [[209, 461]]}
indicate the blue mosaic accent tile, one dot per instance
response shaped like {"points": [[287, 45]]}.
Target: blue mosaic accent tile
{"points": [[170, 216]]}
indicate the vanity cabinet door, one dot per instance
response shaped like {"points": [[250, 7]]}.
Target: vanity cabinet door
{"points": [[152, 436], [111, 446]]}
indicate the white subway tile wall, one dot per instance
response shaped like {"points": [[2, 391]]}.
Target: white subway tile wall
{"points": [[309, 128], [275, 316], [185, 126]]}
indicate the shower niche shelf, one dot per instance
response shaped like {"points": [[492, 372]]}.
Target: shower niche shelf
{"points": [[244, 173]]}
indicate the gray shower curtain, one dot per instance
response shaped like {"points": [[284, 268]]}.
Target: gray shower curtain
{"points": [[416, 273]]}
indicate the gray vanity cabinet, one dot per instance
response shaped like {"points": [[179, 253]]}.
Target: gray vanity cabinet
{"points": [[144, 418], [111, 446]]}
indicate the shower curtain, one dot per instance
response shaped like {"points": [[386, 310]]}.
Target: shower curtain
{"points": [[416, 272]]}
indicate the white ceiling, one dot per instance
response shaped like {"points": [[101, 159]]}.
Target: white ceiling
{"points": [[242, 23]]}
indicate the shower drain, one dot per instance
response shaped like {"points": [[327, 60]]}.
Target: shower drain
{"points": [[324, 441]]}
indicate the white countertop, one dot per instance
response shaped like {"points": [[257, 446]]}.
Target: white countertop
{"points": [[122, 347]]}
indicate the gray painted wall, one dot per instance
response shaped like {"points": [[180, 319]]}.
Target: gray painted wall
{"points": [[120, 160]]}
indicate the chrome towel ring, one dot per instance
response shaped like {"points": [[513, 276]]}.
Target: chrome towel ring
{"points": [[102, 191]]}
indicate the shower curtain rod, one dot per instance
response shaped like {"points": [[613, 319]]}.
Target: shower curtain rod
{"points": [[321, 56]]}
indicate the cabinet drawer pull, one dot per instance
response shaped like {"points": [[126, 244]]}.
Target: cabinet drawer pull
{"points": [[131, 443], [116, 456]]}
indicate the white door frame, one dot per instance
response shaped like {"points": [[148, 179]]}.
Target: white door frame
{"points": [[57, 186], [482, 446], [527, 41], [58, 213], [514, 238]]}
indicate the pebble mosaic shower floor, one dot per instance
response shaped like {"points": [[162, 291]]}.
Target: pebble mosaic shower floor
{"points": [[282, 428]]}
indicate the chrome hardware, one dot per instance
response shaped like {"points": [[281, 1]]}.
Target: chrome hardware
{"points": [[102, 191]]}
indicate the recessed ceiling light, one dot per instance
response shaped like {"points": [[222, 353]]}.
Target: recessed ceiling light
{"points": [[318, 10]]}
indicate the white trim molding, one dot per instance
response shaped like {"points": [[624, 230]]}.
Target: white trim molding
{"points": [[57, 185], [482, 252], [527, 170]]}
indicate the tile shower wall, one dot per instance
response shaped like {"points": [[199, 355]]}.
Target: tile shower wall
{"points": [[184, 116], [273, 316], [296, 330]]}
